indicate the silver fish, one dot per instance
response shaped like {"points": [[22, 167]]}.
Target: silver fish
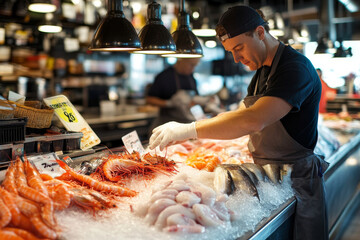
{"points": [[222, 181], [257, 170], [273, 172], [240, 179]]}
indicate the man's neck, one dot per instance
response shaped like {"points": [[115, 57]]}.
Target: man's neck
{"points": [[272, 45]]}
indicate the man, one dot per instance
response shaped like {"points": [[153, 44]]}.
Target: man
{"points": [[173, 90], [281, 114]]}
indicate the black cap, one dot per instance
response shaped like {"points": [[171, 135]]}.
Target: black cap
{"points": [[239, 19]]}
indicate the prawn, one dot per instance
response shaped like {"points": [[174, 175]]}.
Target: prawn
{"points": [[7, 235], [10, 203], [5, 214], [31, 211], [9, 181], [33, 178], [60, 196], [100, 186], [120, 165], [41, 227], [21, 233], [27, 192]]}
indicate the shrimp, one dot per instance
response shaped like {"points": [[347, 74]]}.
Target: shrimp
{"points": [[21, 233], [41, 227], [120, 191], [31, 211], [10, 203], [7, 235], [86, 201], [25, 223], [25, 191], [120, 165], [33, 178], [60, 195], [9, 181], [5, 214]]}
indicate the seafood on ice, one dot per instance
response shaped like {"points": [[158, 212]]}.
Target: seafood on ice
{"points": [[184, 205], [208, 154], [247, 176], [117, 167]]}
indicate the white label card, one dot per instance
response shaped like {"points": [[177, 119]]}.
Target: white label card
{"points": [[46, 164], [132, 142]]}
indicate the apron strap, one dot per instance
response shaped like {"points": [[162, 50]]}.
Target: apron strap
{"points": [[273, 65]]}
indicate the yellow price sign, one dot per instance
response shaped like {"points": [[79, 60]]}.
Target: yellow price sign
{"points": [[64, 111]]}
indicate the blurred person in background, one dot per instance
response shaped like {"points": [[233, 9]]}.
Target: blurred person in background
{"points": [[327, 93], [173, 91], [280, 115]]}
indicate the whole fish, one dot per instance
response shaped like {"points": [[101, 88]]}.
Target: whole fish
{"points": [[222, 181], [273, 172], [257, 170], [239, 179]]}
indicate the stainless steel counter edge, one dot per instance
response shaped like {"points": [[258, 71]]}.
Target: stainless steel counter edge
{"points": [[268, 225]]}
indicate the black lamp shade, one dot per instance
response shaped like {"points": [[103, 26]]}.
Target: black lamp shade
{"points": [[187, 44], [154, 37], [115, 32]]}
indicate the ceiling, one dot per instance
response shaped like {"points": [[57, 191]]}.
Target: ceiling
{"points": [[313, 14]]}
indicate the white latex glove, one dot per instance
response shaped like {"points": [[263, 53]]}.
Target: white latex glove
{"points": [[172, 132]]}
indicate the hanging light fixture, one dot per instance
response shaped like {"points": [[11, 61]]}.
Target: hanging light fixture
{"points": [[154, 37], [187, 44], [50, 25], [42, 6], [205, 30], [115, 32]]}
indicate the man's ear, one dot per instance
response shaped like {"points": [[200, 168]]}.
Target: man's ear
{"points": [[260, 31]]}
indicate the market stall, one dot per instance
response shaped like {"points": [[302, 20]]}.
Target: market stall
{"points": [[267, 215]]}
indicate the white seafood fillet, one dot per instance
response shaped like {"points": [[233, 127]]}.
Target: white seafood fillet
{"points": [[179, 185], [221, 211], [207, 194], [161, 220], [205, 216], [156, 208], [187, 199], [166, 193], [181, 223]]}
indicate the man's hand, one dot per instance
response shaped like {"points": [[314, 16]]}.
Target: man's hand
{"points": [[172, 132]]}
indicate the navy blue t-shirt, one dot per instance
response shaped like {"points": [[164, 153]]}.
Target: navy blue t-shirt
{"points": [[165, 86], [296, 81]]}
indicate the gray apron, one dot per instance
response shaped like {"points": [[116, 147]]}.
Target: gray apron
{"points": [[273, 145], [179, 113]]}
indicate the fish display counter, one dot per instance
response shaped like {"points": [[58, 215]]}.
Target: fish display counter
{"points": [[195, 190]]}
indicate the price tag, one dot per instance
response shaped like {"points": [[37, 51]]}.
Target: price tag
{"points": [[46, 164], [132, 142]]}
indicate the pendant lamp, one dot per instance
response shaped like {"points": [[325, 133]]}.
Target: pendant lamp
{"points": [[154, 37], [50, 25], [115, 32], [42, 6], [187, 44], [205, 30]]}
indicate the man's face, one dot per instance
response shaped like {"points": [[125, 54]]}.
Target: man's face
{"points": [[249, 50]]}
